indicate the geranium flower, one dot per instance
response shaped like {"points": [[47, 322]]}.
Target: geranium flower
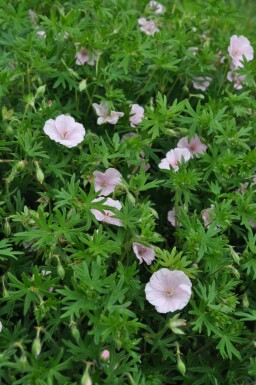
{"points": [[143, 253], [173, 158], [156, 7], [106, 181], [168, 290], [236, 79], [195, 146], [65, 130], [171, 217], [194, 50], [201, 83], [104, 116], [105, 355], [84, 56], [137, 114], [107, 216], [128, 135], [41, 34], [239, 48], [148, 26]]}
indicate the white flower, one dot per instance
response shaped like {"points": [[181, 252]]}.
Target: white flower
{"points": [[65, 130], [104, 116], [168, 290]]}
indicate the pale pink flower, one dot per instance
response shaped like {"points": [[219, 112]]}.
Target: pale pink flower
{"points": [[208, 215], [195, 146], [83, 56], [173, 158], [156, 7], [128, 135], [168, 290], [107, 216], [41, 34], [65, 130], [236, 79], [144, 253], [194, 50], [136, 114], [106, 181], [148, 26], [171, 217], [105, 355], [106, 116], [201, 83], [239, 48]]}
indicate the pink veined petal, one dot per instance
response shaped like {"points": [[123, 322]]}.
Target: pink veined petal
{"points": [[164, 164], [98, 215], [50, 129], [64, 122], [113, 176]]}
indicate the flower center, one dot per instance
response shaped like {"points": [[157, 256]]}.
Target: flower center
{"points": [[170, 293]]}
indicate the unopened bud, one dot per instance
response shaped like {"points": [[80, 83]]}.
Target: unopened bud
{"points": [[39, 173], [75, 332], [175, 323], [7, 227], [82, 85], [234, 255], [23, 362], [40, 91], [105, 355], [60, 270], [21, 165], [86, 379], [181, 366], [245, 300], [36, 347], [9, 130]]}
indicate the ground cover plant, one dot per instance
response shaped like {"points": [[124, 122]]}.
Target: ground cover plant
{"points": [[128, 178]]}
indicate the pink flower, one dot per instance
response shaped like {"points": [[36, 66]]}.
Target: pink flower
{"points": [[104, 116], [239, 48], [201, 83], [236, 79], [208, 215], [171, 217], [107, 216], [106, 181], [84, 56], [173, 158], [65, 130], [168, 290], [41, 34], [105, 355], [194, 50], [137, 114], [32, 16], [143, 253], [147, 26], [156, 7], [195, 146], [128, 135]]}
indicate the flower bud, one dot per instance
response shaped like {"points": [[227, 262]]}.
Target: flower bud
{"points": [[82, 85], [86, 379], [39, 173], [105, 355], [181, 366], [60, 270], [175, 323], [9, 130], [7, 227], [234, 255], [36, 347], [75, 332], [245, 300], [40, 91], [23, 362], [21, 165]]}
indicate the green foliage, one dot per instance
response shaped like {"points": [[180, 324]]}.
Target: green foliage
{"points": [[71, 285]]}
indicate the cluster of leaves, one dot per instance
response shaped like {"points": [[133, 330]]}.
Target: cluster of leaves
{"points": [[71, 287]]}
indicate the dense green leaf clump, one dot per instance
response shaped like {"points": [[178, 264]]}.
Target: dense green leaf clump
{"points": [[71, 285]]}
